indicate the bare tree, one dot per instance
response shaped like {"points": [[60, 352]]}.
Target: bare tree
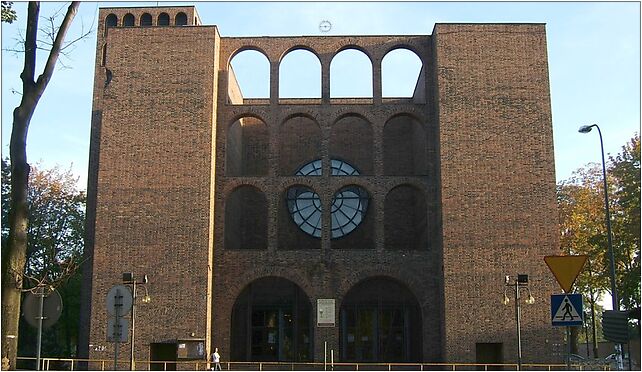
{"points": [[14, 253]]}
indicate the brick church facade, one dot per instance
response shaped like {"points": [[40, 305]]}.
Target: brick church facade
{"points": [[253, 217]]}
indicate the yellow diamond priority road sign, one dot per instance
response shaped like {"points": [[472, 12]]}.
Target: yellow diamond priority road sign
{"points": [[566, 269]]}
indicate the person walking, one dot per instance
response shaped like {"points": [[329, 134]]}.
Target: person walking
{"points": [[216, 359]]}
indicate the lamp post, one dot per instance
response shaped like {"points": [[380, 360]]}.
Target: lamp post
{"points": [[614, 297], [592, 299], [128, 278], [521, 282]]}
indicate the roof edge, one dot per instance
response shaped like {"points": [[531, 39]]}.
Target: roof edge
{"points": [[148, 7]]}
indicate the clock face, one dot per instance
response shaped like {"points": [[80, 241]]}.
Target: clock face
{"points": [[349, 204], [325, 26]]}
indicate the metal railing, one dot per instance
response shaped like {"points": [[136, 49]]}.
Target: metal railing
{"points": [[75, 364]]}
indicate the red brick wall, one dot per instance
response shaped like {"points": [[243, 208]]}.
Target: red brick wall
{"points": [[497, 184], [152, 216], [299, 143], [351, 140], [406, 219], [247, 148], [246, 212], [405, 147]]}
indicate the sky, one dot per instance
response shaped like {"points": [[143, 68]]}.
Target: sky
{"points": [[593, 55]]}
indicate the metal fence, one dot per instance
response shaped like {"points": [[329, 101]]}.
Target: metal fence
{"points": [[69, 364]]}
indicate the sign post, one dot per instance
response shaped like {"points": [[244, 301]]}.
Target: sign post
{"points": [[119, 302], [566, 309], [42, 310]]}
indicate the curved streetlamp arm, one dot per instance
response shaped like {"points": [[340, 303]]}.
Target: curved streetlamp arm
{"points": [[614, 296]]}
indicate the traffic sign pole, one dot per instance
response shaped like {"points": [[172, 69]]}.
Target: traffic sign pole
{"points": [[41, 306], [41, 309], [116, 339], [119, 302], [563, 305], [566, 269], [117, 305], [132, 366], [568, 342]]}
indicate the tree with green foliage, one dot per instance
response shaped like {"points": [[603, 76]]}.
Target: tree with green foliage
{"points": [[54, 254], [581, 217], [8, 14], [625, 171], [583, 231]]}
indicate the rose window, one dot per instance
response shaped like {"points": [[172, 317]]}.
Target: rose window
{"points": [[349, 205]]}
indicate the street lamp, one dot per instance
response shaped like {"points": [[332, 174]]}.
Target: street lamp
{"points": [[521, 282], [128, 278], [614, 297]]}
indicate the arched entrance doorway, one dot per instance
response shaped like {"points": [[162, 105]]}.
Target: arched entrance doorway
{"points": [[380, 322], [271, 322]]}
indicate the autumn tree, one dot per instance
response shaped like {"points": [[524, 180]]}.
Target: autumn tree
{"points": [[581, 217], [583, 230], [55, 246], [625, 171], [14, 251]]}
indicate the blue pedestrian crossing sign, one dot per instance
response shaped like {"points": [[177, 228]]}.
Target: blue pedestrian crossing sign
{"points": [[567, 309]]}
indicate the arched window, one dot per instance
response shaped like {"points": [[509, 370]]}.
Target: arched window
{"points": [[128, 20], [380, 321], [404, 147], [146, 19], [181, 19], [111, 21], [248, 76], [246, 219], [400, 73], [299, 143], [247, 148], [163, 19], [350, 75], [351, 139], [272, 321], [405, 219], [300, 75]]}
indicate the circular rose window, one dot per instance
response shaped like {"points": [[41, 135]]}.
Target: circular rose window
{"points": [[305, 209], [349, 205]]}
